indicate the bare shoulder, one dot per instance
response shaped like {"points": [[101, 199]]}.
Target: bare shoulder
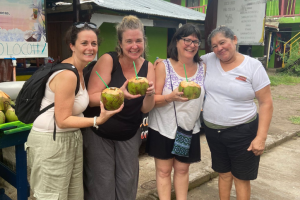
{"points": [[105, 59], [150, 65], [66, 76], [160, 66]]}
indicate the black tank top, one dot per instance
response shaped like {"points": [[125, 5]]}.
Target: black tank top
{"points": [[123, 125]]}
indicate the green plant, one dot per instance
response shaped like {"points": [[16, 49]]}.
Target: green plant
{"points": [[292, 61], [295, 119]]}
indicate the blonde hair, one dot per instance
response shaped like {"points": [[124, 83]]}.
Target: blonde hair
{"points": [[129, 22]]}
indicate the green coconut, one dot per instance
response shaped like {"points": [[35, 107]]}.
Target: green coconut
{"points": [[190, 89], [138, 86], [2, 117], [112, 98], [10, 115]]}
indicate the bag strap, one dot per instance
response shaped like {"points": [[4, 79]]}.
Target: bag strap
{"points": [[168, 66], [57, 68]]}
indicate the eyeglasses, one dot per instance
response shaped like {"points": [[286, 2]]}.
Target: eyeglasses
{"points": [[82, 24], [188, 42]]}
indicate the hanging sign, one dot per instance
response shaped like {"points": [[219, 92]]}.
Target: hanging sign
{"points": [[22, 29], [246, 18]]}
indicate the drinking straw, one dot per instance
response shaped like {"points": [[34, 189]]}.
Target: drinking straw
{"points": [[101, 79], [185, 73], [135, 71]]}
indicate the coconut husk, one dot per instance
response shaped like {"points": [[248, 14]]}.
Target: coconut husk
{"points": [[4, 99]]}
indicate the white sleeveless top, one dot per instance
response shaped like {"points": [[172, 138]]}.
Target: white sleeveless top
{"points": [[162, 119], [45, 122]]}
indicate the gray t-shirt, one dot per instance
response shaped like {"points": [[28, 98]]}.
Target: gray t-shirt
{"points": [[230, 95]]}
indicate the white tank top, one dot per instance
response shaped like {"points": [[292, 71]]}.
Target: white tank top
{"points": [[162, 119], [45, 122]]}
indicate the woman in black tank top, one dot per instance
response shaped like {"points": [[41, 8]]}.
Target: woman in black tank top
{"points": [[111, 151]]}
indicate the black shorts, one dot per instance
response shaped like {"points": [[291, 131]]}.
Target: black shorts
{"points": [[159, 146], [229, 150]]}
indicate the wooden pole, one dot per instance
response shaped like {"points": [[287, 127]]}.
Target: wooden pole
{"points": [[269, 46], [76, 8]]}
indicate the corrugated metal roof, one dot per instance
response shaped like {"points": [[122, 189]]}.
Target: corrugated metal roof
{"points": [[151, 7]]}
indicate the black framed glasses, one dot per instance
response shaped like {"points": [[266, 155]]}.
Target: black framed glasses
{"points": [[82, 24], [188, 42]]}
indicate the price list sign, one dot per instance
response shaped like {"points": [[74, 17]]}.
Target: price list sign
{"points": [[245, 18]]}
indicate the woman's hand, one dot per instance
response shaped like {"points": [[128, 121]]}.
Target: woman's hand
{"points": [[156, 62], [127, 95], [150, 91], [106, 114], [176, 96], [257, 146]]}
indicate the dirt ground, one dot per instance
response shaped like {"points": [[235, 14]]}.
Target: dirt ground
{"points": [[286, 101]]}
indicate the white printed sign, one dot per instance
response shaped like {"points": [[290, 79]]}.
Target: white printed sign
{"points": [[23, 49], [22, 29], [245, 18]]}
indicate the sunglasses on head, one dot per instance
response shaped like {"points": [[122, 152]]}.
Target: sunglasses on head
{"points": [[82, 24]]}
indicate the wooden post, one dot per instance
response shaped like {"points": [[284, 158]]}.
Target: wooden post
{"points": [[282, 8], [269, 45], [76, 8]]}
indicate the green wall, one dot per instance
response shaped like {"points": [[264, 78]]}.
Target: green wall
{"points": [[157, 42], [108, 38], [201, 52], [257, 51], [273, 7]]}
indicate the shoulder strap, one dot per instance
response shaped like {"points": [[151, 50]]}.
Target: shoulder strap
{"points": [[144, 69], [115, 58], [62, 66]]}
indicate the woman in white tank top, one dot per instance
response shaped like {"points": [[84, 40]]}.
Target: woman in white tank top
{"points": [[57, 165], [183, 50]]}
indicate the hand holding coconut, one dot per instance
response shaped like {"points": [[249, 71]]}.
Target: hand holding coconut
{"points": [[150, 90], [176, 96], [106, 114], [127, 95]]}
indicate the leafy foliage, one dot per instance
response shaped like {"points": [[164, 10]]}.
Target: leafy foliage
{"points": [[292, 61]]}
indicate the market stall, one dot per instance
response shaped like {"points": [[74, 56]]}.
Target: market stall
{"points": [[23, 48]]}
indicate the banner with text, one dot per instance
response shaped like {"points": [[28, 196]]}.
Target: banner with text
{"points": [[22, 29], [245, 18]]}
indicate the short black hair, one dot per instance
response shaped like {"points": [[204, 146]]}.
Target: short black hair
{"points": [[184, 31]]}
